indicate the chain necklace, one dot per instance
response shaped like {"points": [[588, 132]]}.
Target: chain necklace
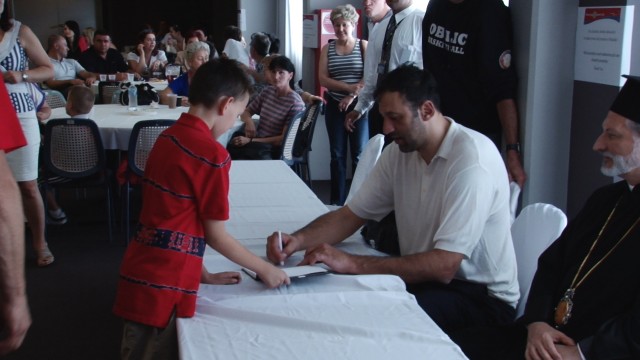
{"points": [[565, 305]]}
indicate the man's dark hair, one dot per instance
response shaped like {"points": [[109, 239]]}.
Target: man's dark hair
{"points": [[260, 43], [232, 32], [51, 41], [415, 84], [217, 78], [283, 62], [101, 32]]}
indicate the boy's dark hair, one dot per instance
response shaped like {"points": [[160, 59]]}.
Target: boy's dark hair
{"points": [[260, 43], [283, 62], [233, 32], [81, 99], [275, 44], [217, 78], [415, 84]]}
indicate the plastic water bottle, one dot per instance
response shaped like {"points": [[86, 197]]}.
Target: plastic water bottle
{"points": [[133, 98]]}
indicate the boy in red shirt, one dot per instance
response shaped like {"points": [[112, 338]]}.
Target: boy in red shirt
{"points": [[185, 206]]}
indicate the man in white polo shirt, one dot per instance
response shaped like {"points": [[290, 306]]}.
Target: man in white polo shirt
{"points": [[66, 72], [449, 188]]}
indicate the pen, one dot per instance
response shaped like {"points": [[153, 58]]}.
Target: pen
{"points": [[280, 245]]}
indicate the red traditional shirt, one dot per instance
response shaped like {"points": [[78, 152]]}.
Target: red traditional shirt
{"points": [[186, 182], [11, 136]]}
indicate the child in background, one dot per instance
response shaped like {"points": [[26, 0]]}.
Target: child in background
{"points": [[185, 206]]}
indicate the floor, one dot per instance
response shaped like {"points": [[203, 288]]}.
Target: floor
{"points": [[71, 300]]}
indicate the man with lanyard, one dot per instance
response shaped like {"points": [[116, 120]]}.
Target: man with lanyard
{"points": [[393, 42], [585, 297]]}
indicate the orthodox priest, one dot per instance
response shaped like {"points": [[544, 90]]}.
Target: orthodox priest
{"points": [[584, 301]]}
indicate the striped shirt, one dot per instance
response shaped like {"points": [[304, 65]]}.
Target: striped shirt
{"points": [[348, 68], [275, 111]]}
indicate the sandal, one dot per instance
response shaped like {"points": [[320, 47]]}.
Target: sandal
{"points": [[44, 256]]}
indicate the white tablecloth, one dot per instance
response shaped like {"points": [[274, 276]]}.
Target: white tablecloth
{"points": [[116, 122], [325, 317]]}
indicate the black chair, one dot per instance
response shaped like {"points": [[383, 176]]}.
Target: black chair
{"points": [[296, 144], [106, 89], [143, 137], [55, 99], [74, 158]]}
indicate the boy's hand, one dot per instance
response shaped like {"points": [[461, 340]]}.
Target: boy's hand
{"points": [[274, 277]]}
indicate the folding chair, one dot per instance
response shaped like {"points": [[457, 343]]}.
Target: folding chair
{"points": [[55, 99], [74, 158], [296, 144], [537, 226], [143, 137], [106, 89]]}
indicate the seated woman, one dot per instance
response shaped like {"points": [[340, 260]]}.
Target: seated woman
{"points": [[196, 54], [147, 59], [277, 104]]}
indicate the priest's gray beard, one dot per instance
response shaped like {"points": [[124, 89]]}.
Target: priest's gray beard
{"points": [[623, 164]]}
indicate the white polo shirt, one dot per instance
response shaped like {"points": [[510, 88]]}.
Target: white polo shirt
{"points": [[458, 203], [66, 69]]}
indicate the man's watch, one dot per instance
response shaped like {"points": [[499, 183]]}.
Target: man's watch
{"points": [[515, 147], [25, 77]]}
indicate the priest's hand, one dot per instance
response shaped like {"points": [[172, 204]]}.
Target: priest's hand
{"points": [[569, 352], [542, 340]]}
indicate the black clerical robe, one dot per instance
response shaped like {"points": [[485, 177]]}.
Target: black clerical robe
{"points": [[606, 312]]}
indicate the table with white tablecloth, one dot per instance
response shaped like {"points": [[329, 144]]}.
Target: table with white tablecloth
{"points": [[324, 317], [116, 121]]}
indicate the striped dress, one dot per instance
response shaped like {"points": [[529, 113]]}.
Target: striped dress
{"points": [[24, 161], [348, 68]]}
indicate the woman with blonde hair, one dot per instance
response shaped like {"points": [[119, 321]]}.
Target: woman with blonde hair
{"points": [[341, 71]]}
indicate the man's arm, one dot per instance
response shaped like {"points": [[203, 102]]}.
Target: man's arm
{"points": [[14, 310], [509, 120], [435, 265], [330, 228]]}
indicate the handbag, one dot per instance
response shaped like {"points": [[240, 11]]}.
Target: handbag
{"points": [[146, 94]]}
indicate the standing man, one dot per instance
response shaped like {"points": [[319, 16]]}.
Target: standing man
{"points": [[102, 59], [376, 11], [15, 318], [584, 301], [66, 72], [448, 187], [393, 42], [467, 46]]}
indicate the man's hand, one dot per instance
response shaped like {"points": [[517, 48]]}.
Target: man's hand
{"points": [[569, 352], [90, 80], [290, 244], [15, 320], [514, 168], [350, 120], [542, 340], [337, 260]]}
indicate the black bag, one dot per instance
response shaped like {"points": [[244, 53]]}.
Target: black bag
{"points": [[382, 235], [146, 94]]}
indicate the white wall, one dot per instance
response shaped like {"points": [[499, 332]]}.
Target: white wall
{"points": [[43, 16], [260, 16], [544, 50]]}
